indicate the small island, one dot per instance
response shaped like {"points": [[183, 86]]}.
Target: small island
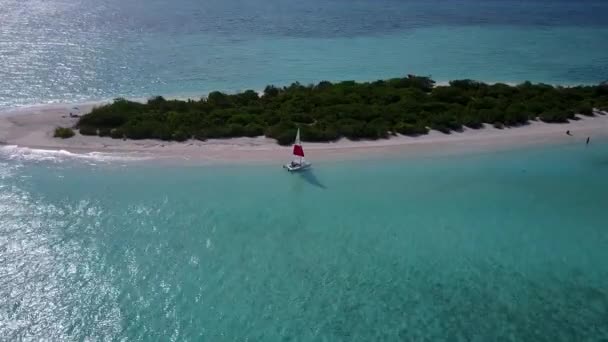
{"points": [[355, 110]]}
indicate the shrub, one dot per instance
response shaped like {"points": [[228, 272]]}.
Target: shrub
{"points": [[180, 136], [285, 138], [328, 111], [105, 132], [253, 130], [284, 131], [271, 91], [351, 129], [515, 114], [441, 128], [585, 109], [411, 129], [302, 118], [556, 116], [472, 122], [200, 135], [602, 89], [164, 133], [63, 132], [467, 84], [214, 132], [87, 130], [117, 133], [498, 125]]}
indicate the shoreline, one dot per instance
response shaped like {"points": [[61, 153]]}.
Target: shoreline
{"points": [[61, 104], [32, 128]]}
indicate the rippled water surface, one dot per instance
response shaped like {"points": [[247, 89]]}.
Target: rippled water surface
{"points": [[481, 247], [478, 247], [70, 51]]}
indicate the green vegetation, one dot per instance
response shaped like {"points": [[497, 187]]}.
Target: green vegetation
{"points": [[328, 111], [88, 130], [63, 132]]}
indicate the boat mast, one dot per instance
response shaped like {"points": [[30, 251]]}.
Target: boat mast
{"points": [[298, 143]]}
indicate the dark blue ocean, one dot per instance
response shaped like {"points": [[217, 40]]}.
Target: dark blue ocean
{"points": [[81, 50]]}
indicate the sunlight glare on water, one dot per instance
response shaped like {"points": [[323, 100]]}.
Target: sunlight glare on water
{"points": [[73, 51], [508, 245]]}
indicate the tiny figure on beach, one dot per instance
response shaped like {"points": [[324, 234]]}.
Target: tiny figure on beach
{"points": [[568, 133], [588, 138]]}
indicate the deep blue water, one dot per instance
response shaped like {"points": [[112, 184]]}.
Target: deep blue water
{"points": [[70, 51]]}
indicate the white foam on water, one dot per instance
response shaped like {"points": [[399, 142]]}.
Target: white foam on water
{"points": [[14, 152]]}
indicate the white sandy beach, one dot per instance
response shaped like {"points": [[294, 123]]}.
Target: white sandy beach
{"points": [[32, 127]]}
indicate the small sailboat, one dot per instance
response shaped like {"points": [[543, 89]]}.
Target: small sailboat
{"points": [[298, 152]]}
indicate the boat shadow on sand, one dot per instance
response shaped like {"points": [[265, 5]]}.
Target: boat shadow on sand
{"points": [[310, 177]]}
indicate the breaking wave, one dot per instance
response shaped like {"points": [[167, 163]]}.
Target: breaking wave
{"points": [[14, 152]]}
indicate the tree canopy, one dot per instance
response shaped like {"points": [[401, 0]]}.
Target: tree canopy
{"points": [[356, 110]]}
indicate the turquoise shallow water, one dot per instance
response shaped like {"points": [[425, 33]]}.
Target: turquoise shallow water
{"points": [[510, 245], [73, 51]]}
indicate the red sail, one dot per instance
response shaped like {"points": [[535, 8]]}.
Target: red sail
{"points": [[298, 151]]}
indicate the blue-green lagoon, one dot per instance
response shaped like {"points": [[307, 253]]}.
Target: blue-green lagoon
{"points": [[478, 246]]}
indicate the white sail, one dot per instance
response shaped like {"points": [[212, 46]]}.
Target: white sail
{"points": [[298, 142]]}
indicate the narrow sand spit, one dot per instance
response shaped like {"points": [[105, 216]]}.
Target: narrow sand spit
{"points": [[33, 127]]}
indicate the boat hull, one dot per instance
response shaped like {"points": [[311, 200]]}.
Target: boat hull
{"points": [[296, 168]]}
